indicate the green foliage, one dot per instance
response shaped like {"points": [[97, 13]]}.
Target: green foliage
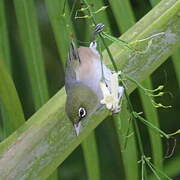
{"points": [[31, 45], [4, 39], [59, 16], [42, 143], [10, 102], [91, 157]]}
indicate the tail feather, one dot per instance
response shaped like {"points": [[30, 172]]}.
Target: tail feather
{"points": [[73, 53]]}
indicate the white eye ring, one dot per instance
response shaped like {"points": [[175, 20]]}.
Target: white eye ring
{"points": [[82, 112]]}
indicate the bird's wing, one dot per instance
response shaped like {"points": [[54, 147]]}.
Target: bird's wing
{"points": [[73, 62]]}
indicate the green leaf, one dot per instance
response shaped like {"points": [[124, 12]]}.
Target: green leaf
{"points": [[30, 38], [91, 157], [61, 24], [154, 2], [176, 63], [127, 141], [4, 39], [48, 137], [123, 14], [10, 102]]}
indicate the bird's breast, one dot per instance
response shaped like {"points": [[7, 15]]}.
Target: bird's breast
{"points": [[90, 74], [89, 71]]}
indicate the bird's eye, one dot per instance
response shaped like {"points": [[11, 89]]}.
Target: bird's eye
{"points": [[82, 112]]}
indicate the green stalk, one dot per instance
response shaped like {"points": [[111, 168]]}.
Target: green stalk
{"points": [[154, 2], [123, 14], [91, 157], [176, 63], [31, 45], [127, 141], [12, 113], [1, 133], [4, 39], [54, 175], [5, 56], [60, 22], [48, 137], [136, 129], [10, 102]]}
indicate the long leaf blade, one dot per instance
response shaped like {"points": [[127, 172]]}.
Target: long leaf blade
{"points": [[4, 39], [10, 102], [12, 113], [55, 133], [30, 38], [60, 22]]}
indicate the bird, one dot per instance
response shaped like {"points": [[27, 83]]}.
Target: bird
{"points": [[84, 72], [82, 77]]}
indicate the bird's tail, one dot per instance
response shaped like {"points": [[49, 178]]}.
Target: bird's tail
{"points": [[73, 53]]}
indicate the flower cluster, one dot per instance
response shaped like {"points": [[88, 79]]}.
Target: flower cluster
{"points": [[112, 94]]}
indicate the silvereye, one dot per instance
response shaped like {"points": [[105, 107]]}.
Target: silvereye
{"points": [[82, 82]]}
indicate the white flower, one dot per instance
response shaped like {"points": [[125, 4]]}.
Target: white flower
{"points": [[112, 94]]}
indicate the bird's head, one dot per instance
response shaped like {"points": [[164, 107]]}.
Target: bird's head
{"points": [[80, 103]]}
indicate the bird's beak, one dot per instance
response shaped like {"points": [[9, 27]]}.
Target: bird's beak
{"points": [[77, 127]]}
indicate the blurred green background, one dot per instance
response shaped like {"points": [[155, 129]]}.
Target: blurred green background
{"points": [[111, 166]]}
